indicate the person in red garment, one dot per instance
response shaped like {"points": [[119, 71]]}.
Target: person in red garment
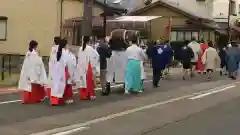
{"points": [[51, 59], [61, 91], [200, 66], [87, 68], [33, 76]]}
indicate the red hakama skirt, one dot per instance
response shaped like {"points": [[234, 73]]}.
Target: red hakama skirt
{"points": [[68, 92], [200, 65], [88, 92], [36, 95]]}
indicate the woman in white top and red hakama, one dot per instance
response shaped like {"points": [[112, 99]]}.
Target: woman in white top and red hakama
{"points": [[87, 68], [52, 58], [61, 89], [33, 76]]}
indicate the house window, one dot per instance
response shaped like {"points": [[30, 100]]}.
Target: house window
{"points": [[196, 35], [188, 35], [173, 36], [180, 36], [3, 28], [239, 9], [184, 35], [233, 7]]}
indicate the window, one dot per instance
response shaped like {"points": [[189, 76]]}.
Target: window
{"points": [[233, 7], [184, 35], [180, 36], [196, 35], [3, 28], [173, 36], [239, 9], [188, 35]]}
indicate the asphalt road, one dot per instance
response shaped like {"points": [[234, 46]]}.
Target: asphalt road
{"points": [[156, 111], [222, 119]]}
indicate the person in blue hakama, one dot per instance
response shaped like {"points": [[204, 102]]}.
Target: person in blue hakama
{"points": [[161, 56], [233, 59], [135, 56]]}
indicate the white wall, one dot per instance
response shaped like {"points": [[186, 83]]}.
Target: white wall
{"points": [[221, 8], [214, 8]]}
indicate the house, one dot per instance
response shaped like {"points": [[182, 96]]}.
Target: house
{"points": [[40, 20], [214, 8], [185, 24]]}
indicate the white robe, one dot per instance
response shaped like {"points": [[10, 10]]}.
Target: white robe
{"points": [[84, 57], [58, 82], [52, 58], [32, 71], [72, 65], [116, 66], [211, 59], [196, 50]]}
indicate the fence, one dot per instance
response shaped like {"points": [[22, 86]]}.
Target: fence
{"points": [[10, 64]]}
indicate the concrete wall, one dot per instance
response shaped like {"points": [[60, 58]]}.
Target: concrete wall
{"points": [[36, 20], [27, 20]]}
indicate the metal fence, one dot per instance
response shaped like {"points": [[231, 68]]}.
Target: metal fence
{"points": [[11, 64]]}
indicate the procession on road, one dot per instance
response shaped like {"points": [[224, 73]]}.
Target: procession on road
{"points": [[119, 59]]}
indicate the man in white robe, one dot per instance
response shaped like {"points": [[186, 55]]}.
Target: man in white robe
{"points": [[211, 60]]}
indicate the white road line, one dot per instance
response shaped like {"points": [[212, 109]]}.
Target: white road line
{"points": [[72, 131], [8, 102], [75, 92], [212, 92], [112, 116]]}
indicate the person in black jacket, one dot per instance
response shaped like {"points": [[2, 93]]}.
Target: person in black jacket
{"points": [[223, 55], [186, 55], [104, 53]]}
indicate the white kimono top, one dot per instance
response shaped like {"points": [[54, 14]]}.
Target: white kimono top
{"points": [[137, 53], [57, 70], [211, 59], [32, 71], [72, 65], [52, 58], [84, 57], [196, 50]]}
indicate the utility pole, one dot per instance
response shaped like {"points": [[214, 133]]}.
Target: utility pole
{"points": [[86, 26], [229, 15], [105, 19]]}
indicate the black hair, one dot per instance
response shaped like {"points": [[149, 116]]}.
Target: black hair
{"points": [[134, 39], [32, 45], [86, 40], [62, 44], [186, 42], [57, 40], [193, 38], [210, 43]]}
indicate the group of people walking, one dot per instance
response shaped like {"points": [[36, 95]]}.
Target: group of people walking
{"points": [[66, 70], [115, 61], [205, 58]]}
